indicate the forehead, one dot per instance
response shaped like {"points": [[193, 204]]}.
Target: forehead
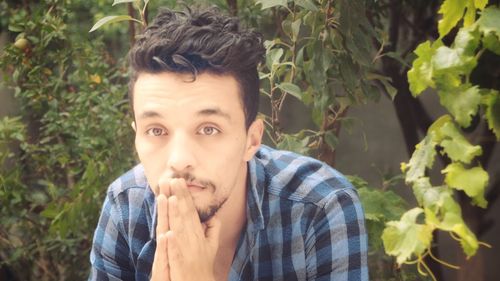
{"points": [[167, 89]]}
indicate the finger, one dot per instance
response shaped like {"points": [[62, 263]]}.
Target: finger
{"points": [[212, 231], [174, 255], [164, 186], [162, 216], [179, 189], [186, 209], [174, 217], [161, 268]]}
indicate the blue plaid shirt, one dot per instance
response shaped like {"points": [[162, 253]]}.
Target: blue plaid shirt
{"points": [[304, 222]]}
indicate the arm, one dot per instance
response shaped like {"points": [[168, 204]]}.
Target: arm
{"points": [[336, 245], [110, 252]]}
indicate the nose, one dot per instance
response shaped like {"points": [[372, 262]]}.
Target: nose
{"points": [[181, 157]]}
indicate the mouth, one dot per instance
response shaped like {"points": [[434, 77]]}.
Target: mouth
{"points": [[195, 187]]}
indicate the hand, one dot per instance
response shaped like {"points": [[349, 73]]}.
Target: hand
{"points": [[161, 270], [191, 246]]}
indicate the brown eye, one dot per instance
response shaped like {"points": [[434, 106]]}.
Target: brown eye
{"points": [[208, 131], [155, 132]]}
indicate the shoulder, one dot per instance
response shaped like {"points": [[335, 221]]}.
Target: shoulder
{"points": [[130, 196], [133, 181], [304, 179]]}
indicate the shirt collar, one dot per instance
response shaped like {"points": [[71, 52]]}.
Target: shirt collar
{"points": [[256, 184]]}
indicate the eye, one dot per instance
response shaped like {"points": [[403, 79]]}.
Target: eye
{"points": [[208, 131], [156, 132]]}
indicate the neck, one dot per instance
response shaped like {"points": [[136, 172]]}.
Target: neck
{"points": [[233, 214], [233, 219]]}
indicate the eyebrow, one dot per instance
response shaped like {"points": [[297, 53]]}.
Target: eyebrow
{"points": [[213, 111], [204, 112], [150, 114]]}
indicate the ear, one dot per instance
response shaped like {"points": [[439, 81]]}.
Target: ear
{"points": [[133, 126], [254, 138]]}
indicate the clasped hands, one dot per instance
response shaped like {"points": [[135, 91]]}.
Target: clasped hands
{"points": [[185, 248]]}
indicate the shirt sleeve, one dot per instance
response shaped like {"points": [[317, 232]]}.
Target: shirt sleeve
{"points": [[336, 244], [110, 254]]}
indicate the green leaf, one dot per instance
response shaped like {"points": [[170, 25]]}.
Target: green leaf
{"points": [[273, 57], [420, 75], [452, 221], [480, 4], [435, 128], [490, 21], [472, 181], [456, 146], [331, 139], [420, 188], [467, 41], [462, 103], [266, 4], [291, 89], [493, 112], [492, 43], [447, 59], [406, 237], [122, 1], [422, 157], [470, 14], [110, 19], [294, 143], [307, 4], [452, 11], [381, 205]]}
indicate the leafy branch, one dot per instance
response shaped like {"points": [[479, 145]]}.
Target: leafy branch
{"points": [[447, 70], [118, 18]]}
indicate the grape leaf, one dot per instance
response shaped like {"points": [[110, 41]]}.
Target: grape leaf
{"points": [[480, 4], [472, 181], [435, 128], [448, 59], [467, 41], [493, 112], [420, 75], [492, 43], [470, 13], [452, 11], [490, 21], [452, 221], [456, 146], [420, 187], [462, 103], [406, 237], [422, 157]]}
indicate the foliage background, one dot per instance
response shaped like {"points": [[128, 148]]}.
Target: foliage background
{"points": [[332, 69]]}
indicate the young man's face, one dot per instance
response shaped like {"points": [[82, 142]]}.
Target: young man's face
{"points": [[195, 130]]}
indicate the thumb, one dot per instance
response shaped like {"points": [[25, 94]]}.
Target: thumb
{"points": [[212, 231]]}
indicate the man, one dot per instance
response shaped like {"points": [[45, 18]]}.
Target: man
{"points": [[208, 201]]}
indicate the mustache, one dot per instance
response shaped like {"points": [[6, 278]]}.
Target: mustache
{"points": [[190, 178]]}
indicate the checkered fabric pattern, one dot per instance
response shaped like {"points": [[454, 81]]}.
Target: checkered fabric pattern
{"points": [[304, 222]]}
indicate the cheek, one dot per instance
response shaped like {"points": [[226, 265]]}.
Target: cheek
{"points": [[149, 159]]}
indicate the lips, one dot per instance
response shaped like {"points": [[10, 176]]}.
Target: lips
{"points": [[195, 186]]}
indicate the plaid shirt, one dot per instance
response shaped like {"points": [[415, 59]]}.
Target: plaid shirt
{"points": [[304, 222]]}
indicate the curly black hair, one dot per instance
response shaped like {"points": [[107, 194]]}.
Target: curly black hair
{"points": [[201, 41]]}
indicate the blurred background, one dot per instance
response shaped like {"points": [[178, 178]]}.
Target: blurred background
{"points": [[334, 86]]}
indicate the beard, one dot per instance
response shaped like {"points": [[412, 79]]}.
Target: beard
{"points": [[207, 212]]}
